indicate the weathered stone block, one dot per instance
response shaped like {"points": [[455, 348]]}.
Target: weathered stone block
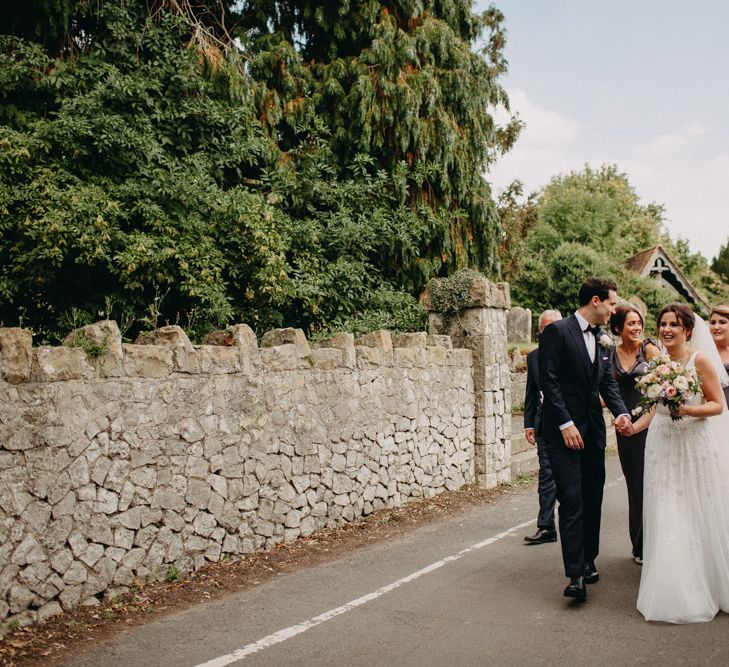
{"points": [[440, 340], [345, 343], [53, 364], [107, 337], [280, 358], [369, 357], [419, 339], [380, 340], [16, 354], [278, 337], [326, 358], [174, 338], [147, 361], [238, 335], [218, 360]]}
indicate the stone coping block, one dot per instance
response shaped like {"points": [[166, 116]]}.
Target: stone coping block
{"points": [[105, 333], [217, 360], [175, 338], [344, 342], [53, 364], [380, 340], [147, 361], [327, 358], [440, 340], [280, 357], [369, 357], [419, 339], [238, 335], [289, 335], [411, 357], [16, 354]]}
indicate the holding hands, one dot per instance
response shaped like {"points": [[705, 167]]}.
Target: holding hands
{"points": [[623, 425]]}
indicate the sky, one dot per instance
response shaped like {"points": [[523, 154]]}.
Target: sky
{"points": [[643, 84]]}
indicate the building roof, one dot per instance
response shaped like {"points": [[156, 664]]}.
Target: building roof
{"points": [[656, 263]]}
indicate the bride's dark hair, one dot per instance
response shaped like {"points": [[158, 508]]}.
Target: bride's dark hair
{"points": [[684, 315]]}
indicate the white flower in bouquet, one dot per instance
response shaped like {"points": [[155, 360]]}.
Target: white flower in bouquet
{"points": [[653, 391], [681, 383]]}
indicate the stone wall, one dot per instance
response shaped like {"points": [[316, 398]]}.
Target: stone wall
{"points": [[119, 461]]}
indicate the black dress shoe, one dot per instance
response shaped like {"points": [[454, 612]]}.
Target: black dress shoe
{"points": [[542, 536], [591, 573], [576, 589]]}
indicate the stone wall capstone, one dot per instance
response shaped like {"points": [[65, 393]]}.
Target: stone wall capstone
{"points": [[117, 465]]}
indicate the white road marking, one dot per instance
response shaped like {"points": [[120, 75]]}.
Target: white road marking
{"points": [[292, 631], [288, 633]]}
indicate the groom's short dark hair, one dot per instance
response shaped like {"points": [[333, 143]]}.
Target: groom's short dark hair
{"points": [[599, 287]]}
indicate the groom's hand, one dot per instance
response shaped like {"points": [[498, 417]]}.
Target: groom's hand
{"points": [[624, 425], [572, 438]]}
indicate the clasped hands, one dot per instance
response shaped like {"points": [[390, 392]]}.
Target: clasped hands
{"points": [[623, 425]]}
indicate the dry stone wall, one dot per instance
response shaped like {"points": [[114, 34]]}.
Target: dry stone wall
{"points": [[119, 461]]}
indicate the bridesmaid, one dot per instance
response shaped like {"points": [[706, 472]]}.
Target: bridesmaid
{"points": [[719, 323], [629, 361]]}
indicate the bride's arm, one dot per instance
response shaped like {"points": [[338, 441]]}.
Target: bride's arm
{"points": [[644, 422], [713, 396]]}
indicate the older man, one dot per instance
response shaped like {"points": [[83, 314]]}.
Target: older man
{"points": [[546, 531]]}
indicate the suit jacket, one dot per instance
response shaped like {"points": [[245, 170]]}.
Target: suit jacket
{"points": [[572, 385], [533, 395]]}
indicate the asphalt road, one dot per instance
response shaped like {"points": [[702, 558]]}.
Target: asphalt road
{"points": [[467, 591]]}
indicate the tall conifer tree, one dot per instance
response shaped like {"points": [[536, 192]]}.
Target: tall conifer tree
{"points": [[403, 83]]}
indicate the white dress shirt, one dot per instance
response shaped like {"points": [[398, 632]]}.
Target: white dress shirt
{"points": [[587, 336]]}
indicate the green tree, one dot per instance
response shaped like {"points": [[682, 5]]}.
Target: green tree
{"points": [[597, 208], [587, 223], [401, 83], [518, 216], [720, 263], [318, 178]]}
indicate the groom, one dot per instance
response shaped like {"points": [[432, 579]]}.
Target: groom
{"points": [[574, 371]]}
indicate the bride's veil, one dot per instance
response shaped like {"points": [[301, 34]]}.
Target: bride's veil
{"points": [[702, 341]]}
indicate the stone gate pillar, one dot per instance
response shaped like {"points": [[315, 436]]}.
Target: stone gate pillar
{"points": [[481, 327]]}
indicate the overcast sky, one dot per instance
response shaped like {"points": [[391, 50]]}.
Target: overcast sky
{"points": [[643, 84]]}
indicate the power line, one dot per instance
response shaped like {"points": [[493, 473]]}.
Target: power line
{"points": [[606, 130]]}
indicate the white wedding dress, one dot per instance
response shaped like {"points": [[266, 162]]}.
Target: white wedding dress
{"points": [[685, 575]]}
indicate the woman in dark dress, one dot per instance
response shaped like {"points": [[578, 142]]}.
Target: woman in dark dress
{"points": [[719, 325], [629, 361]]}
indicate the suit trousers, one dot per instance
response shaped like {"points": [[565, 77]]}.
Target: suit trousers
{"points": [[547, 488], [580, 478]]}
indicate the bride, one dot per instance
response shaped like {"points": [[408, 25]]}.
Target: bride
{"points": [[685, 576]]}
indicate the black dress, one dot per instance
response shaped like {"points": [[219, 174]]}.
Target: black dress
{"points": [[726, 389], [631, 449]]}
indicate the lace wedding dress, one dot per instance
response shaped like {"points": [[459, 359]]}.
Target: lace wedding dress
{"points": [[685, 575]]}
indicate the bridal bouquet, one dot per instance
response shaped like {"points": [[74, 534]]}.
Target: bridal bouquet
{"points": [[666, 382]]}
